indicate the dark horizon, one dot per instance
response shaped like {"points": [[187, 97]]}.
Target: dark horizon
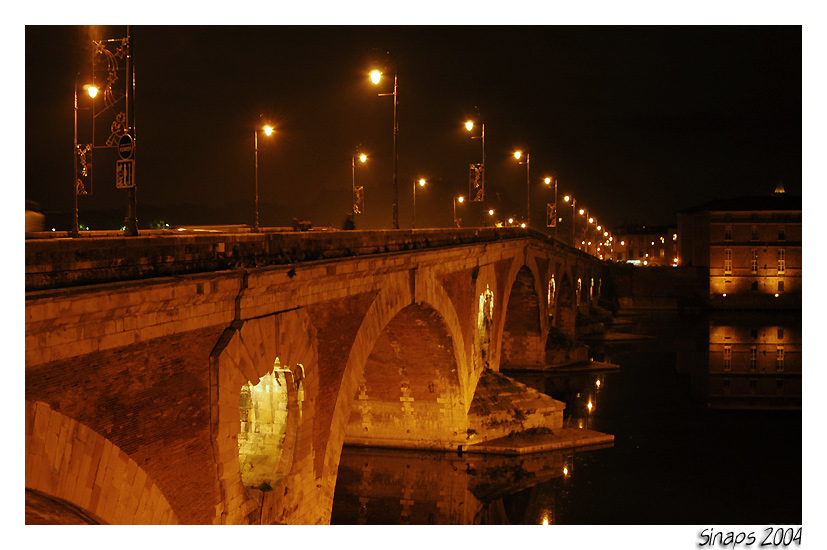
{"points": [[637, 122]]}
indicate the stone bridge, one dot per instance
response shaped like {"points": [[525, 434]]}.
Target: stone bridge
{"points": [[214, 378]]}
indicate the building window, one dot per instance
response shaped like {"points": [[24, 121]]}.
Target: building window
{"points": [[728, 261], [727, 357], [728, 233], [782, 261], [754, 232], [782, 233], [754, 266], [753, 358], [779, 358]]}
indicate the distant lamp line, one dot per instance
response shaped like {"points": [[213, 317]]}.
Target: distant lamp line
{"points": [[79, 154]]}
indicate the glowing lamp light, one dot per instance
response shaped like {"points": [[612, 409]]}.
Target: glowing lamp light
{"points": [[565, 470], [597, 383], [469, 125], [591, 220], [545, 521], [268, 130], [776, 295], [461, 199], [547, 180], [491, 212], [582, 211], [566, 198], [599, 227], [522, 225], [93, 91], [422, 183], [724, 294], [518, 154], [510, 220], [590, 406], [363, 157], [375, 76]]}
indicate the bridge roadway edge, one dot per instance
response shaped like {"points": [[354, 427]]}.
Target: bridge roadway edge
{"points": [[194, 296]]}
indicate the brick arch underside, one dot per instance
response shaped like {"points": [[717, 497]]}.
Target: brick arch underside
{"points": [[75, 475], [523, 342], [409, 394], [246, 353]]}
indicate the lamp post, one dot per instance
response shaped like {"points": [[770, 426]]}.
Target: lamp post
{"points": [[460, 200], [93, 91], [570, 198], [354, 193], [421, 183], [267, 131], [517, 155], [375, 77], [469, 125], [548, 182]]}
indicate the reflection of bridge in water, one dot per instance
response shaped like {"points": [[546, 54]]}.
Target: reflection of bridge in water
{"points": [[215, 378]]}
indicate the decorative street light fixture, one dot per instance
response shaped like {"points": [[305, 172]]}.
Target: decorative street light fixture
{"points": [[458, 221], [421, 183], [376, 77], [517, 155], [267, 129], [357, 193]]}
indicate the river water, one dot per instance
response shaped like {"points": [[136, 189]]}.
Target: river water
{"points": [[707, 420]]}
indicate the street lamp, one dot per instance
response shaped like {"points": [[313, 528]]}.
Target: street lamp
{"points": [[267, 129], [421, 183], [356, 194], [460, 200], [77, 184], [570, 198], [376, 77], [469, 125], [517, 155], [554, 208]]}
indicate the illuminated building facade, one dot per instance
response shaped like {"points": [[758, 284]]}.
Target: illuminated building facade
{"points": [[751, 247], [643, 245]]}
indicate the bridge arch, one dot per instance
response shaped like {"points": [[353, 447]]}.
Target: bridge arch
{"points": [[261, 370], [523, 325], [85, 475], [419, 302]]}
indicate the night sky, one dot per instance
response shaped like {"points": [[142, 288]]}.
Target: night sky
{"points": [[638, 122]]}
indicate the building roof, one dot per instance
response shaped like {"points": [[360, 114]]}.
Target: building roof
{"points": [[778, 202]]}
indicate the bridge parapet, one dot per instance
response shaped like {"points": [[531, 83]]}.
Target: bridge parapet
{"points": [[58, 263]]}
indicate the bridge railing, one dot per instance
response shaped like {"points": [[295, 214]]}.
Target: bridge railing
{"points": [[66, 262]]}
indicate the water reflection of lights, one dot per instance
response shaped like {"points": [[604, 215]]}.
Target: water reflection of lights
{"points": [[565, 470], [590, 406], [597, 383]]}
